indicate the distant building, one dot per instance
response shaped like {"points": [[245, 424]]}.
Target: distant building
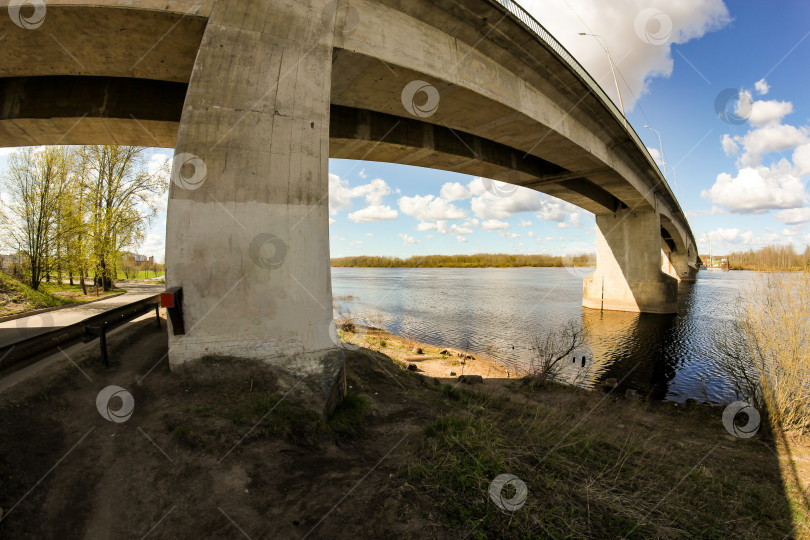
{"points": [[139, 260]]}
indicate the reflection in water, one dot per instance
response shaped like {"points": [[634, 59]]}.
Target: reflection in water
{"points": [[631, 348], [497, 312]]}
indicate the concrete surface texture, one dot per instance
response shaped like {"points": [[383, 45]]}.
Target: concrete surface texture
{"points": [[256, 96]]}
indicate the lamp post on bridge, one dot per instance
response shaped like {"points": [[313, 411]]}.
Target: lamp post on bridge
{"points": [[663, 159], [612, 71]]}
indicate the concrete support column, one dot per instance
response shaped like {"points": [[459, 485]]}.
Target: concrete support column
{"points": [[681, 270], [247, 227], [628, 274]]}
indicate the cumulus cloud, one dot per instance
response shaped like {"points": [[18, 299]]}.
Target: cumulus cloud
{"points": [[426, 226], [507, 234], [525, 223], [453, 191], [794, 216], [461, 239], [494, 225], [801, 160], [730, 146], [332, 221], [769, 138], [341, 194], [456, 229], [408, 240], [757, 189], [769, 112], [429, 208], [373, 213], [623, 25]]}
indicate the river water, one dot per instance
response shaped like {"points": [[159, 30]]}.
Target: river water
{"points": [[498, 312]]}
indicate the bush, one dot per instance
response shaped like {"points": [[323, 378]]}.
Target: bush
{"points": [[765, 349]]}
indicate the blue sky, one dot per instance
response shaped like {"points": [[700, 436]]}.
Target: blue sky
{"points": [[742, 184]]}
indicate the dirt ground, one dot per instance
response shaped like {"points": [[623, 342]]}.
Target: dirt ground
{"points": [[218, 452], [161, 474]]}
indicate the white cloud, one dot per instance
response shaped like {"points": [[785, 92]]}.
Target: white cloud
{"points": [[426, 226], [332, 221], [494, 225], [656, 155], [730, 146], [794, 216], [370, 235], [373, 213], [616, 22], [762, 87], [341, 194], [756, 190], [507, 234], [356, 243], [408, 240], [801, 160], [461, 239], [769, 112], [491, 206], [362, 173], [456, 229], [769, 138], [429, 207], [531, 234], [563, 225], [453, 191], [525, 223]]}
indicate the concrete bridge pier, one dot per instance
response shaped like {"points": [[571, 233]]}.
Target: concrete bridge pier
{"points": [[680, 267], [247, 227], [628, 274]]}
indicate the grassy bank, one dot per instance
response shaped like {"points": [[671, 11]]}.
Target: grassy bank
{"points": [[17, 297], [220, 451]]}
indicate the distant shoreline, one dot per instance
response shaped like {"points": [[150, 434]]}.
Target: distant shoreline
{"points": [[481, 260]]}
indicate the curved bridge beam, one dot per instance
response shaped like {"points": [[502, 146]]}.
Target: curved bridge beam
{"points": [[260, 92]]}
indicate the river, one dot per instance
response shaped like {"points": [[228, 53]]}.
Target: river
{"points": [[498, 312]]}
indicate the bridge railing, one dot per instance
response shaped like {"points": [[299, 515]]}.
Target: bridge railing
{"points": [[515, 9]]}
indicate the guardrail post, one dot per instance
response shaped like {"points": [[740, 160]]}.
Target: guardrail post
{"points": [[101, 332]]}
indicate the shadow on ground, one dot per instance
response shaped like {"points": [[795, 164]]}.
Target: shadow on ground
{"points": [[218, 453]]}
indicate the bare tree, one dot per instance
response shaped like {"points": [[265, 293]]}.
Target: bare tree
{"points": [[550, 349]]}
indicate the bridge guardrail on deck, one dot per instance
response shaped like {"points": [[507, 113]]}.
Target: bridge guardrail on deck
{"points": [[532, 24], [97, 325]]}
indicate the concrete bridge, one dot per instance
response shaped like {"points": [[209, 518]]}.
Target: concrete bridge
{"points": [[255, 96]]}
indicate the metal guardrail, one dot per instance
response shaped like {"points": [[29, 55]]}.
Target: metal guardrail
{"points": [[531, 23], [86, 330]]}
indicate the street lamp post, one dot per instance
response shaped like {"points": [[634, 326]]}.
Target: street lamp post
{"points": [[661, 146], [612, 71]]}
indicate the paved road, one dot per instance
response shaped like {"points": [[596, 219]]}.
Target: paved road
{"points": [[26, 327]]}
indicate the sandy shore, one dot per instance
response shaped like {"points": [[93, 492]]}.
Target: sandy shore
{"points": [[430, 360]]}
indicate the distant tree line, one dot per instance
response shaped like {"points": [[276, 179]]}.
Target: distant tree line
{"points": [[480, 260], [74, 210], [769, 258]]}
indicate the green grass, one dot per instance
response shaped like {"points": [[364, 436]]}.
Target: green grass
{"points": [[23, 294], [594, 478]]}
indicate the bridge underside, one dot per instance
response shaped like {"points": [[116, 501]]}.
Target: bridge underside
{"points": [[255, 96]]}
